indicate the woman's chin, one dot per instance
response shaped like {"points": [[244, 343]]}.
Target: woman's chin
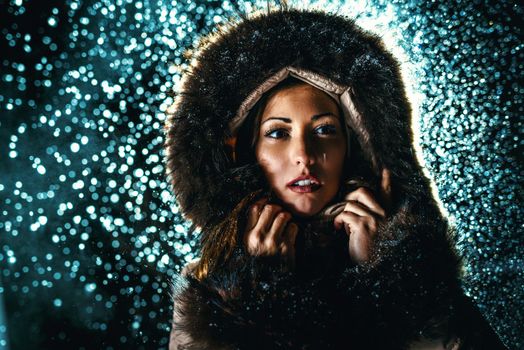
{"points": [[303, 212], [304, 206]]}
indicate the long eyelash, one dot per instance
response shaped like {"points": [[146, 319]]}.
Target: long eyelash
{"points": [[267, 133], [332, 126]]}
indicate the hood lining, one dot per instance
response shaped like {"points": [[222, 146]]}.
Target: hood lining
{"points": [[343, 95]]}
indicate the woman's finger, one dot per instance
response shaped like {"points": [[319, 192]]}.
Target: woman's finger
{"points": [[252, 242], [254, 213], [361, 230], [267, 216], [261, 202], [385, 188], [252, 237], [359, 209], [360, 247], [274, 236], [345, 220], [364, 196], [354, 223], [252, 217]]}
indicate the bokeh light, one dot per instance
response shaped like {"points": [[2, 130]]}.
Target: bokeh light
{"points": [[90, 234]]}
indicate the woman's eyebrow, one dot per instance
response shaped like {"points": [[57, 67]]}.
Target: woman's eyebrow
{"points": [[318, 116], [285, 120], [313, 118]]}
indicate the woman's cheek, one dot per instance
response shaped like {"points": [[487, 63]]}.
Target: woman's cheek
{"points": [[333, 169], [337, 155], [271, 166]]}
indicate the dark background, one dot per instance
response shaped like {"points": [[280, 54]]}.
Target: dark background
{"points": [[90, 235]]}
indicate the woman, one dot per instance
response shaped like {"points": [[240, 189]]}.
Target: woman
{"points": [[290, 146], [300, 144]]}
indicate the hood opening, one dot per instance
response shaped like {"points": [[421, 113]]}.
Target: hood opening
{"points": [[358, 168], [341, 94], [242, 128], [326, 51]]}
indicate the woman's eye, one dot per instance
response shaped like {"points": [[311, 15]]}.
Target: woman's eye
{"points": [[276, 133], [326, 130]]}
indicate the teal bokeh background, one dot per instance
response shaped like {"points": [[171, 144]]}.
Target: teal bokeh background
{"points": [[90, 235]]}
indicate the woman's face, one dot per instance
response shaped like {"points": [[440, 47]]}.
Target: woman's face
{"points": [[301, 148]]}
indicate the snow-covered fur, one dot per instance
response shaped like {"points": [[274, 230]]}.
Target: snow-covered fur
{"points": [[410, 291]]}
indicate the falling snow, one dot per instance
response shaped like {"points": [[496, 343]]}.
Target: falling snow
{"points": [[90, 234]]}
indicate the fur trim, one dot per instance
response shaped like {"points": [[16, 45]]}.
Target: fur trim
{"points": [[237, 61], [410, 289], [262, 306]]}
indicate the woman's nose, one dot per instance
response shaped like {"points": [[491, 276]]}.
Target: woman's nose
{"points": [[303, 152]]}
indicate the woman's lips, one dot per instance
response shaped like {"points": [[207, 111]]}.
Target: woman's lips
{"points": [[304, 184], [305, 189]]}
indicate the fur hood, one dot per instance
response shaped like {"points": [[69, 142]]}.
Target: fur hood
{"points": [[234, 62], [410, 292]]}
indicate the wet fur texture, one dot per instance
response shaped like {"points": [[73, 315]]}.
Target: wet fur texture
{"points": [[410, 289], [235, 62]]}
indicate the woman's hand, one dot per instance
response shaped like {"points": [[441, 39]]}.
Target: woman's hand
{"points": [[361, 217], [269, 232]]}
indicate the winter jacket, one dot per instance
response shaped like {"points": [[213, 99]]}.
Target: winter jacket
{"points": [[407, 295]]}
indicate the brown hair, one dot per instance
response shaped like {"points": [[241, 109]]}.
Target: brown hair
{"points": [[248, 133], [219, 244]]}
